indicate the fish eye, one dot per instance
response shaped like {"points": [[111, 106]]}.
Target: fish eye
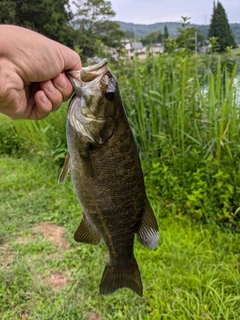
{"points": [[109, 94]]}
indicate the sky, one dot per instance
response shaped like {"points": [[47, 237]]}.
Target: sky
{"points": [[152, 11]]}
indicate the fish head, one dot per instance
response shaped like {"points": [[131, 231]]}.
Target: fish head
{"points": [[97, 91]]}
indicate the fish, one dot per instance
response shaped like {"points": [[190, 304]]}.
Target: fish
{"points": [[107, 176]]}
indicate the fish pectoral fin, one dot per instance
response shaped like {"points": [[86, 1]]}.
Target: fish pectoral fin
{"points": [[115, 278], [65, 169], [89, 164], [148, 234], [86, 234]]}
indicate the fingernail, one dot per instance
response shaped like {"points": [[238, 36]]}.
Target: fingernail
{"points": [[61, 82], [51, 87], [43, 98]]}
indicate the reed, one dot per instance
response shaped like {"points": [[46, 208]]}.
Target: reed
{"points": [[173, 98]]}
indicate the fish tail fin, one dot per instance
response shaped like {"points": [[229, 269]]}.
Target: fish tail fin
{"points": [[115, 278]]}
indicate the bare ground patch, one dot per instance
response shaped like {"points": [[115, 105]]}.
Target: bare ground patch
{"points": [[52, 233], [7, 256], [93, 316], [25, 315], [56, 235], [56, 280]]}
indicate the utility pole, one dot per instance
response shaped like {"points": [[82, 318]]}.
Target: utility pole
{"points": [[196, 44]]}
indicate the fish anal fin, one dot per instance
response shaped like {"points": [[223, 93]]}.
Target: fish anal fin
{"points": [[115, 278], [86, 234], [65, 169], [148, 234]]}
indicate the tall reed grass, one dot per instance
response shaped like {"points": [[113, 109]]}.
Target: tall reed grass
{"points": [[46, 138], [180, 99]]}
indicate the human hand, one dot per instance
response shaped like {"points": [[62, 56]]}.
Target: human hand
{"points": [[32, 79]]}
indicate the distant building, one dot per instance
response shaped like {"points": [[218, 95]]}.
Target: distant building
{"points": [[156, 48], [133, 48], [137, 48]]}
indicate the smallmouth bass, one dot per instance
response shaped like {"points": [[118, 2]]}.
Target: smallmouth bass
{"points": [[107, 176]]}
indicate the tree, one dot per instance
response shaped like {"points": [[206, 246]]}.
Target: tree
{"points": [[153, 37], [49, 17], [166, 33], [92, 21], [128, 34], [187, 39], [8, 11], [220, 28], [187, 35]]}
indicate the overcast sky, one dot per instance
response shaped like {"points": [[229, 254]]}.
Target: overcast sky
{"points": [[152, 11]]}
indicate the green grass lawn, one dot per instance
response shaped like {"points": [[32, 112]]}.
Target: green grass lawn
{"points": [[44, 274]]}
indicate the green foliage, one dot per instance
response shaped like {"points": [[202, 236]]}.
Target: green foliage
{"points": [[49, 17], [166, 34], [46, 138], [196, 187], [93, 24], [8, 11], [170, 45], [9, 139], [153, 37], [213, 45], [187, 36], [219, 28]]}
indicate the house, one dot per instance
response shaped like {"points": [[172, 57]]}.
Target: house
{"points": [[156, 48], [137, 48], [133, 48]]}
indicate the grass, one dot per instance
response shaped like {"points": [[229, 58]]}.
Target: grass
{"points": [[193, 274], [189, 100]]}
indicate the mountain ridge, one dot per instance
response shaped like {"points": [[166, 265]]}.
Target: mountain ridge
{"points": [[141, 30]]}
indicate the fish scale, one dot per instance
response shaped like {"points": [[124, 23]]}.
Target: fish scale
{"points": [[107, 176]]}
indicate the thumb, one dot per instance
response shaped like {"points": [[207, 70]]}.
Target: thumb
{"points": [[71, 59]]}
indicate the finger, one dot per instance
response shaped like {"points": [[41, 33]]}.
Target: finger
{"points": [[62, 83], [52, 93], [42, 107]]}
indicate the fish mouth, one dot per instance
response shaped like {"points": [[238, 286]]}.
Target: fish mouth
{"points": [[90, 75], [90, 84], [93, 81]]}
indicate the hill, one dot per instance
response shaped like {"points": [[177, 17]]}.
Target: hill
{"points": [[141, 30]]}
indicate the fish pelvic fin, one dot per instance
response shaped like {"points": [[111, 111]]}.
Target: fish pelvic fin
{"points": [[115, 278], [65, 169], [86, 234], [148, 234]]}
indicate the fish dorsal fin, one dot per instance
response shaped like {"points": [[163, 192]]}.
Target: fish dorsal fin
{"points": [[86, 234], [148, 234], [65, 169]]}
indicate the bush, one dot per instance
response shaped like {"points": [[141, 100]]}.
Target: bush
{"points": [[196, 187]]}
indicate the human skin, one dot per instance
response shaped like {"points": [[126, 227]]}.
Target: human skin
{"points": [[32, 79]]}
